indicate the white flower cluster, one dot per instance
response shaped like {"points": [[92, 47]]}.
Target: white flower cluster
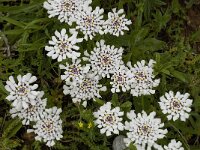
{"points": [[63, 46], [82, 78], [90, 22], [144, 130], [66, 10], [22, 93], [121, 78], [116, 22], [176, 105], [28, 105], [74, 71], [82, 82], [109, 120], [173, 145], [32, 113], [104, 59], [143, 78], [84, 89], [49, 127], [140, 79]]}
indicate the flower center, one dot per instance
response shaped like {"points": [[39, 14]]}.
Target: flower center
{"points": [[120, 79], [31, 108], [175, 104], [67, 6], [74, 70], [116, 23], [22, 90], [144, 130], [48, 126], [86, 84], [140, 76], [89, 21], [105, 60], [109, 119], [63, 46]]}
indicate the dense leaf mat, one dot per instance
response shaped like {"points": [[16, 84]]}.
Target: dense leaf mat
{"points": [[166, 31]]}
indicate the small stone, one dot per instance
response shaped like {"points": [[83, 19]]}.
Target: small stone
{"points": [[118, 143]]}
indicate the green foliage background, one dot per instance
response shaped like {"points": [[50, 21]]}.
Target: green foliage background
{"points": [[164, 30]]}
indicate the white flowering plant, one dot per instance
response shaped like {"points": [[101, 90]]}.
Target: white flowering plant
{"points": [[99, 75]]}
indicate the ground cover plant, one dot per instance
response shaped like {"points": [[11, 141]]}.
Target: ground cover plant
{"points": [[99, 75]]}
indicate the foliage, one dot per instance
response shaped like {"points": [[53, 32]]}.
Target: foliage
{"points": [[160, 31]]}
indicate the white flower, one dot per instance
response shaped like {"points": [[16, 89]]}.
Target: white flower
{"points": [[146, 147], [144, 129], [66, 10], [49, 127], [32, 113], [104, 59], [109, 120], [22, 93], [116, 22], [143, 78], [173, 145], [63, 46], [121, 78], [74, 71], [90, 22], [176, 106], [85, 89]]}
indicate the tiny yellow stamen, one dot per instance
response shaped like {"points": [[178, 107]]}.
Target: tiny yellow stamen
{"points": [[90, 125], [80, 124]]}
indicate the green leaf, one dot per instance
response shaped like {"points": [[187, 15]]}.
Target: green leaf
{"points": [[114, 100], [190, 3], [194, 147], [11, 128], [13, 32], [157, 58], [59, 146], [36, 21], [138, 35], [195, 37], [12, 21], [87, 114], [117, 41], [100, 102], [10, 143], [37, 145], [176, 6], [132, 147], [19, 9], [126, 106], [149, 5], [2, 88], [180, 75], [161, 19], [151, 44], [167, 72]]}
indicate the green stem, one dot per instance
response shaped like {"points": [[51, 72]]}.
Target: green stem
{"points": [[4, 119], [142, 103], [184, 140]]}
